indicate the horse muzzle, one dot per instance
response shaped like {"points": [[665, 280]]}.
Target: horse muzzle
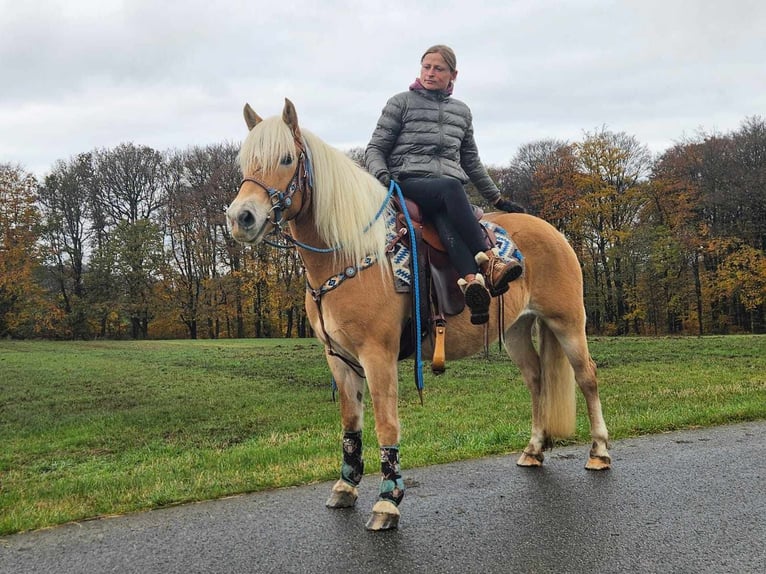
{"points": [[246, 222]]}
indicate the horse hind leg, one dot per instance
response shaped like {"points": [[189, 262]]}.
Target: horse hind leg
{"points": [[575, 346], [519, 346], [598, 458]]}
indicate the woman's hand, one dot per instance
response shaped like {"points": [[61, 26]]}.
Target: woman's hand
{"points": [[509, 206]]}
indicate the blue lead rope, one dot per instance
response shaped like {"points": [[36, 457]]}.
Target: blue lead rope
{"points": [[415, 284], [415, 287]]}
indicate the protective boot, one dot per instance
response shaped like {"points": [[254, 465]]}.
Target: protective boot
{"points": [[498, 272], [477, 298]]}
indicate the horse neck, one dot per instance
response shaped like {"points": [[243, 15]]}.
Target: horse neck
{"points": [[319, 266]]}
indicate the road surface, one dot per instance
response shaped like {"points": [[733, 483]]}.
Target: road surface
{"points": [[692, 501]]}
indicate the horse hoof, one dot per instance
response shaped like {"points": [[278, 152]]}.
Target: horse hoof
{"points": [[385, 516], [530, 460], [343, 495], [599, 463]]}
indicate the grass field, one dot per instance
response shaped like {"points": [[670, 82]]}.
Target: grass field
{"points": [[98, 428]]}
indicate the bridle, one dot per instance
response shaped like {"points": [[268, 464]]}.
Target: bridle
{"points": [[282, 201]]}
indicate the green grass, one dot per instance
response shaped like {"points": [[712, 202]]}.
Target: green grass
{"points": [[98, 428]]}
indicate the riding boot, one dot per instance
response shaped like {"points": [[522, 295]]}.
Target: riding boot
{"points": [[498, 272], [477, 298]]}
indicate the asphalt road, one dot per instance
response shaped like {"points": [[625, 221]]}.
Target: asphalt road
{"points": [[691, 501]]}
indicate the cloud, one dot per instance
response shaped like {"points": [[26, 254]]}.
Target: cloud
{"points": [[83, 74]]}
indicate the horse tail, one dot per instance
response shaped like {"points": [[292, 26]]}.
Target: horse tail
{"points": [[557, 400]]}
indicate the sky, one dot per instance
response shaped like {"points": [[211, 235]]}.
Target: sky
{"points": [[77, 75]]}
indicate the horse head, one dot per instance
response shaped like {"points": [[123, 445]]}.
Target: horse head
{"points": [[276, 175]]}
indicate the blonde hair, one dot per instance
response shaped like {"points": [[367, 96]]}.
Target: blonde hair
{"points": [[445, 52]]}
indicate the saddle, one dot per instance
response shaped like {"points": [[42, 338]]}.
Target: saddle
{"points": [[440, 295]]}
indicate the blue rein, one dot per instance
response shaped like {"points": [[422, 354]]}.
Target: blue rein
{"points": [[380, 212], [415, 287]]}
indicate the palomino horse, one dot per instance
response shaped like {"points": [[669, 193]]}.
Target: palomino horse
{"points": [[332, 209]]}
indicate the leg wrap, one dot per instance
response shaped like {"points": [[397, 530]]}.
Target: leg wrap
{"points": [[392, 485], [353, 464]]}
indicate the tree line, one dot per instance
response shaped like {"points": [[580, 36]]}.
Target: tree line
{"points": [[131, 242]]}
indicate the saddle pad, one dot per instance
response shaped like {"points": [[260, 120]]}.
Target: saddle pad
{"points": [[400, 256]]}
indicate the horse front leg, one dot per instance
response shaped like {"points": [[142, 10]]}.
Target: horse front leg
{"points": [[351, 396], [382, 379]]}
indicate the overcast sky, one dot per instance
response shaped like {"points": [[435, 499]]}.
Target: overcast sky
{"points": [[82, 74]]}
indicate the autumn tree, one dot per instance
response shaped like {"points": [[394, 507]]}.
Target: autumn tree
{"points": [[613, 168], [114, 240], [732, 179], [675, 234], [24, 309], [220, 181], [357, 155], [749, 181]]}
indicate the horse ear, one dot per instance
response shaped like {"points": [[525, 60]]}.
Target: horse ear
{"points": [[290, 117], [251, 118]]}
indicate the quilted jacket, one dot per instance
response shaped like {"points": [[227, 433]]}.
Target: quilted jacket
{"points": [[425, 133]]}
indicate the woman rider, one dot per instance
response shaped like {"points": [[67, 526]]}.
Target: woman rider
{"points": [[424, 140]]}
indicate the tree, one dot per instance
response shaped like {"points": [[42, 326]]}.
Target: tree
{"points": [[200, 183], [531, 169], [130, 236], [356, 154], [727, 177], [553, 189], [612, 168], [24, 309], [749, 180], [64, 198], [742, 277], [128, 195]]}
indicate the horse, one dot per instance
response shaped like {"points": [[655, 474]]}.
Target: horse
{"points": [[331, 208]]}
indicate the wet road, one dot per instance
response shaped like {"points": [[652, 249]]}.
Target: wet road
{"points": [[692, 501]]}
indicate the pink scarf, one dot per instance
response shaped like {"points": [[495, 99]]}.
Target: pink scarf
{"points": [[416, 86]]}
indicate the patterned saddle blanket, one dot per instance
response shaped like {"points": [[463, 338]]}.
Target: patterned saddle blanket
{"points": [[402, 254]]}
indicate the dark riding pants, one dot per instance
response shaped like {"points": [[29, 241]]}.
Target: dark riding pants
{"points": [[445, 203]]}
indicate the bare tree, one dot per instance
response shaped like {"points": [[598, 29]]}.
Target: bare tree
{"points": [[64, 200], [201, 183], [128, 194], [522, 181]]}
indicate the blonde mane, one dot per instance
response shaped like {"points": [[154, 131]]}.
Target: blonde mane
{"points": [[345, 198]]}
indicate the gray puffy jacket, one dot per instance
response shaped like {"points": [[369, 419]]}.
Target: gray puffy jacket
{"points": [[424, 133]]}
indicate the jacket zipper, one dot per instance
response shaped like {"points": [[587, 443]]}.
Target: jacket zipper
{"points": [[440, 147]]}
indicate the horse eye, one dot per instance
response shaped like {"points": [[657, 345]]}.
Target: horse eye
{"points": [[287, 160]]}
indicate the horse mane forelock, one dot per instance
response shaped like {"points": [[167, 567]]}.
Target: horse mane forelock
{"points": [[345, 197], [265, 146]]}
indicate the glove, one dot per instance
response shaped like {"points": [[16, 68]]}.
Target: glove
{"points": [[509, 206], [385, 179]]}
